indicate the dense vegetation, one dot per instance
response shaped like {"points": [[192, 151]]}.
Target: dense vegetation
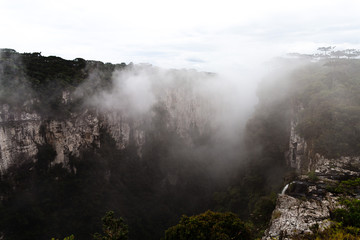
{"points": [[208, 226], [30, 76], [330, 94], [113, 228]]}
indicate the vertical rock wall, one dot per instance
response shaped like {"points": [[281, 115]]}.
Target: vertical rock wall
{"points": [[307, 202], [23, 131], [19, 136]]}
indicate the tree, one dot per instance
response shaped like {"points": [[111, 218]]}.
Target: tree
{"points": [[113, 228], [209, 226], [325, 49], [351, 53], [337, 54], [71, 237]]}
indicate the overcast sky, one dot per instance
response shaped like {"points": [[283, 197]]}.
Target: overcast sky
{"points": [[201, 34]]}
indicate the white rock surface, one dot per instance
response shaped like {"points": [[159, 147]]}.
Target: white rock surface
{"points": [[294, 216]]}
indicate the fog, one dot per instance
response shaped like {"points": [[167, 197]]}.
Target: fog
{"points": [[208, 111], [228, 97], [14, 87]]}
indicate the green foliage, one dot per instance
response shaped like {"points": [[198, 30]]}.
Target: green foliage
{"points": [[276, 214], [330, 121], [45, 70], [349, 187], [312, 176], [29, 76], [247, 199], [209, 226], [326, 99], [113, 228], [71, 237], [262, 210], [350, 215], [335, 232]]}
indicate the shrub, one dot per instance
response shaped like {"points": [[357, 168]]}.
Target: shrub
{"points": [[113, 228], [209, 226]]}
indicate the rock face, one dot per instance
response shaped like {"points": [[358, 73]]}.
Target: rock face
{"points": [[294, 216], [296, 156], [306, 204], [72, 135], [337, 169], [22, 130], [304, 207], [19, 135]]}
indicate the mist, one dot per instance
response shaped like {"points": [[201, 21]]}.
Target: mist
{"points": [[14, 88], [208, 111], [226, 99]]}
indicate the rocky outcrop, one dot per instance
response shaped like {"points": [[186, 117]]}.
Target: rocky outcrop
{"points": [[304, 207], [337, 169], [305, 204], [294, 216]]}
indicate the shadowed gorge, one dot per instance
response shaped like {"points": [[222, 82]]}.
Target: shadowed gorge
{"points": [[80, 138]]}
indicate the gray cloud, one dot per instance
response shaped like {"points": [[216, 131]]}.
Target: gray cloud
{"points": [[196, 60]]}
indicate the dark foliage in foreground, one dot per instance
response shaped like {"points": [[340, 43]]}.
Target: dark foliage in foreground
{"points": [[209, 226]]}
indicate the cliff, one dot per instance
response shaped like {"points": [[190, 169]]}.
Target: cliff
{"points": [[78, 138], [69, 132], [321, 151], [305, 205], [23, 131]]}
